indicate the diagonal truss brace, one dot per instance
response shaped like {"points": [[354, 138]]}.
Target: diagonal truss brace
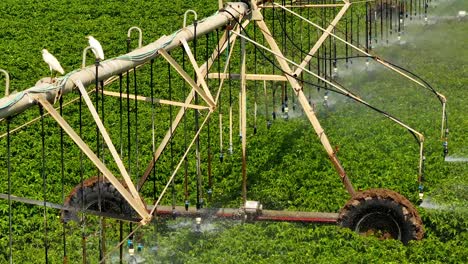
{"points": [[141, 210], [208, 99], [200, 76], [297, 87], [155, 100]]}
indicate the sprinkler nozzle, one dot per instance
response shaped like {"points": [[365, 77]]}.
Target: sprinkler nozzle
{"points": [[139, 247], [187, 203], [198, 223], [221, 157], [131, 250], [445, 145], [255, 129]]}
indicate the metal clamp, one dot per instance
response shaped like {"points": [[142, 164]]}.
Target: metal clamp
{"points": [[185, 16], [140, 35]]}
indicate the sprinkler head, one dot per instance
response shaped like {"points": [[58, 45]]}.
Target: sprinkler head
{"points": [[198, 221], [255, 129], [445, 145], [210, 192], [187, 203], [421, 196], [268, 124], [131, 250], [221, 157]]}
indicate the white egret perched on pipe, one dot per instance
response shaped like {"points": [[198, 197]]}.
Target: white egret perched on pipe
{"points": [[54, 64], [96, 48]]}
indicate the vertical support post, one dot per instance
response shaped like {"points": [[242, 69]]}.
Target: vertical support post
{"points": [[243, 110]]}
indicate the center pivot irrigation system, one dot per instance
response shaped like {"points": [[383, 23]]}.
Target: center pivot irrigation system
{"points": [[113, 192]]}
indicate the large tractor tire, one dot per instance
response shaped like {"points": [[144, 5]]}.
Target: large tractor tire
{"points": [[88, 195], [382, 213]]}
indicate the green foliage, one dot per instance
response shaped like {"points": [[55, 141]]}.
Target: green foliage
{"points": [[287, 167]]}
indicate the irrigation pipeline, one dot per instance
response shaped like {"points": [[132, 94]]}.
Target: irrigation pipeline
{"points": [[19, 102], [180, 211]]}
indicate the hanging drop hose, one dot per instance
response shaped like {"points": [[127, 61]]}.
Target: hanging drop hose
{"points": [[10, 222], [255, 83], [210, 180], [230, 98], [197, 139], [83, 216], [153, 136], [44, 185], [418, 137], [187, 203], [62, 174], [121, 155], [173, 191]]}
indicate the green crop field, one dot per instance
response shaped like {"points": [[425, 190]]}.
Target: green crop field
{"points": [[287, 167]]}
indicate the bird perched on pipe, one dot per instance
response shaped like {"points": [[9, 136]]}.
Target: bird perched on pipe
{"points": [[96, 47], [54, 64]]}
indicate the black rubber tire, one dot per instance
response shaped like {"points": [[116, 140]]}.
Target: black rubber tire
{"points": [[383, 213], [87, 195]]}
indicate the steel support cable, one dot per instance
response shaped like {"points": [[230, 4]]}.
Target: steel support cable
{"points": [[378, 59], [418, 137], [10, 222], [372, 57], [44, 186], [341, 91]]}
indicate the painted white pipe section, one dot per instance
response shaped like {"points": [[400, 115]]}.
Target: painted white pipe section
{"points": [[19, 102]]}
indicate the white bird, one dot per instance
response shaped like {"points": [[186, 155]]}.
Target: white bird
{"points": [[96, 47], [54, 64]]}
